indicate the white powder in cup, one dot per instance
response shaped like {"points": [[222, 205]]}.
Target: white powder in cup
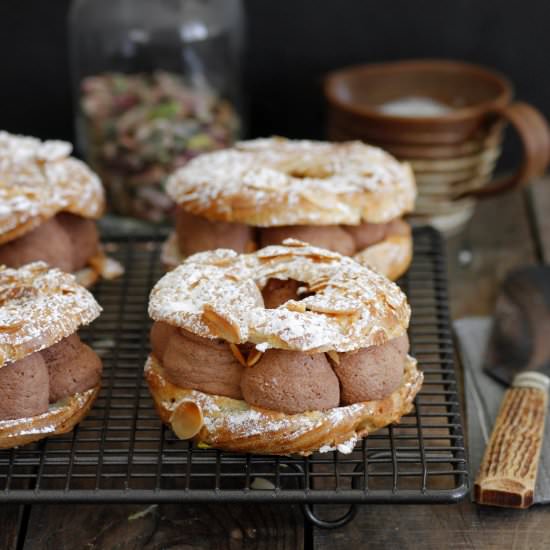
{"points": [[415, 106]]}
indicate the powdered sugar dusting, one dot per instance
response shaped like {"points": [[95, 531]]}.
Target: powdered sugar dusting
{"points": [[352, 306], [285, 182], [40, 306], [39, 179]]}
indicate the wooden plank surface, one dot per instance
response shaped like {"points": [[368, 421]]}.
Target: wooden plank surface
{"points": [[155, 527], [10, 522]]}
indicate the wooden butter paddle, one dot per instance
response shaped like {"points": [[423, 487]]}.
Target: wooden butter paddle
{"points": [[518, 355]]}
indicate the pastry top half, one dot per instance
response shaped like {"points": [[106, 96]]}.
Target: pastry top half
{"points": [[274, 181], [39, 179], [39, 306], [346, 306]]}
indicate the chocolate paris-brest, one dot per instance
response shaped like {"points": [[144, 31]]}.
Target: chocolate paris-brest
{"points": [[331, 237], [277, 292], [196, 234], [73, 367], [24, 388], [203, 364], [373, 372], [291, 382], [48, 242], [84, 237]]}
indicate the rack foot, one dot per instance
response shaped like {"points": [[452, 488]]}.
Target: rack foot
{"points": [[312, 517]]}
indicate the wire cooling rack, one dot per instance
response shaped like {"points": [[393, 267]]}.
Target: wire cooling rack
{"points": [[122, 453]]}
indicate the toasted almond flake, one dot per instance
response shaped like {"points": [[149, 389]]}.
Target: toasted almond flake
{"points": [[333, 356], [237, 353], [187, 420], [220, 326], [222, 262], [319, 203], [330, 309], [279, 256], [253, 357], [86, 277], [294, 243], [11, 328], [107, 267], [292, 305]]}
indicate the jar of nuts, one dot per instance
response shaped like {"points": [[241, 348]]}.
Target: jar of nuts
{"points": [[155, 84]]}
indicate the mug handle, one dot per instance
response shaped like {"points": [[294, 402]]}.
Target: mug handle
{"points": [[534, 133]]}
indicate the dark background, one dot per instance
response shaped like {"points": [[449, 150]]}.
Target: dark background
{"points": [[291, 44]]}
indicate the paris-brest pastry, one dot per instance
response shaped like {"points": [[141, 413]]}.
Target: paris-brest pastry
{"points": [[346, 197], [48, 377], [289, 349], [49, 204]]}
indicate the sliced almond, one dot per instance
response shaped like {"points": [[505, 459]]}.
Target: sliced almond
{"points": [[86, 277], [187, 420], [232, 277], [294, 243], [111, 269], [237, 353], [322, 258], [220, 326], [333, 356], [333, 309], [298, 307], [14, 327], [15, 293], [279, 256], [253, 357], [301, 168], [222, 262]]}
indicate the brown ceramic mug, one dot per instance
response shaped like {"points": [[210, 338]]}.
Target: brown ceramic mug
{"points": [[469, 133]]}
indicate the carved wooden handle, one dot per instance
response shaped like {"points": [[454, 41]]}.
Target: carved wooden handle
{"points": [[508, 472]]}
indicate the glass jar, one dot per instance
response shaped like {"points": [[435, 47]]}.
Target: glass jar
{"points": [[156, 82]]}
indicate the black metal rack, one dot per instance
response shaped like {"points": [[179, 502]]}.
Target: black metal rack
{"points": [[122, 453]]}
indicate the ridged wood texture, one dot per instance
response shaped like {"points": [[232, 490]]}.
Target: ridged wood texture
{"points": [[508, 471]]}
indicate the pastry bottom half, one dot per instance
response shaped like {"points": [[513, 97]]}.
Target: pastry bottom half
{"points": [[47, 392], [234, 425]]}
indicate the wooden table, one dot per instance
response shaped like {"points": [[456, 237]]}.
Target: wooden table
{"points": [[509, 231]]}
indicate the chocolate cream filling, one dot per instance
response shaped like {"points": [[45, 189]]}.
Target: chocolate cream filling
{"points": [[65, 241], [286, 381], [29, 385], [197, 363], [197, 234]]}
